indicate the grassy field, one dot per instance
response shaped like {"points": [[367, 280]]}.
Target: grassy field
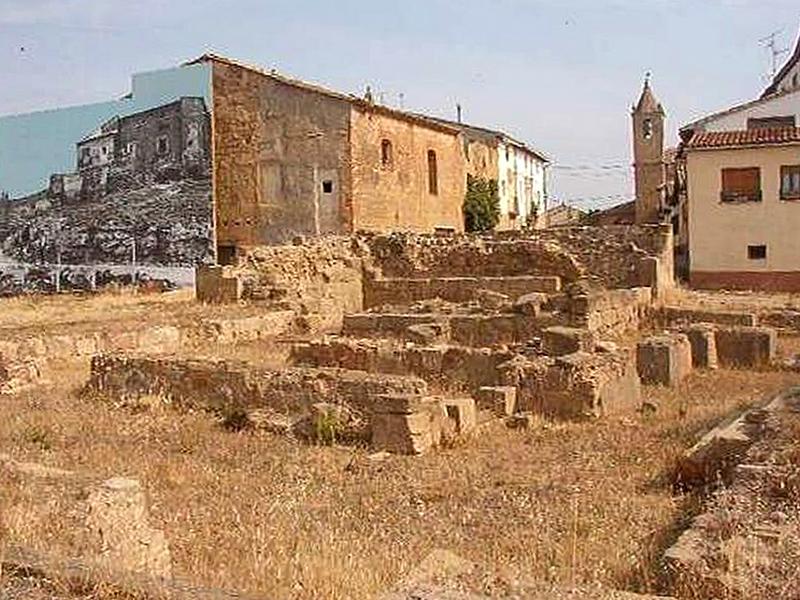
{"points": [[562, 502], [572, 502]]}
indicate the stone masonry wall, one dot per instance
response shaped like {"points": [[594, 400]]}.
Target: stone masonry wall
{"points": [[274, 146], [395, 194], [611, 257], [320, 278]]}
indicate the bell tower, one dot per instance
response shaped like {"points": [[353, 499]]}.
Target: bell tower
{"points": [[648, 156]]}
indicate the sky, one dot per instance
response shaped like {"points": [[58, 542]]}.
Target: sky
{"points": [[559, 74]]}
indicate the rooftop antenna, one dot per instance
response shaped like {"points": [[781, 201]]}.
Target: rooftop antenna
{"points": [[401, 97], [771, 43], [458, 112]]}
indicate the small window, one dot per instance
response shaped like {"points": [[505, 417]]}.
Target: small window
{"points": [[86, 153], [162, 145], [105, 150], [327, 186], [757, 252], [741, 185], [790, 182], [433, 175], [387, 160], [647, 129]]}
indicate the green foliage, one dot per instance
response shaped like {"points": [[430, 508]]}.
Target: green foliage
{"points": [[327, 428], [481, 204]]}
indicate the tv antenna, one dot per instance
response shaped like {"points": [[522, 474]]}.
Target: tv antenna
{"points": [[771, 43]]}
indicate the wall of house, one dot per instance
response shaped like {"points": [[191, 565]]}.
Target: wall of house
{"points": [[482, 157], [396, 196], [720, 233], [275, 147], [524, 177], [779, 106]]}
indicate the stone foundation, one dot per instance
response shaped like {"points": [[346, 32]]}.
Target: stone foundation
{"points": [[580, 385], [558, 341], [702, 338], [746, 347], [675, 316], [664, 359], [404, 291], [444, 365], [231, 387]]}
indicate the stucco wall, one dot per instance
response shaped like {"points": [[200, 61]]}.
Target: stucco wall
{"points": [[780, 106], [720, 233], [397, 197], [275, 145], [516, 166]]}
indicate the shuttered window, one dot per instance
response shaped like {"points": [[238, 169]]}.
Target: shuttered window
{"points": [[741, 185]]}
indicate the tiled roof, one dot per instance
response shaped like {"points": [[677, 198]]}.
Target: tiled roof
{"points": [[750, 137]]}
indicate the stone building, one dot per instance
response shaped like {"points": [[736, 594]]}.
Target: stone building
{"points": [[168, 142], [519, 169], [293, 158]]}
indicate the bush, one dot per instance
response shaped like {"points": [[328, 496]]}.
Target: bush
{"points": [[481, 204]]}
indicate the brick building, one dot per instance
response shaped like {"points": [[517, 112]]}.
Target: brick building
{"points": [[292, 158]]}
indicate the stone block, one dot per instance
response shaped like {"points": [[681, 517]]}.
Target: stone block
{"points": [[463, 412], [427, 333], [213, 286], [664, 359], [530, 304], [501, 400], [117, 522], [702, 338], [558, 341], [746, 346], [410, 433]]}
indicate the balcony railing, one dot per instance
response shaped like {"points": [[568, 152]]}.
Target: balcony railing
{"points": [[739, 197]]}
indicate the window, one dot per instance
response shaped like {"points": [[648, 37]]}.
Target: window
{"points": [[741, 185], [647, 129], [790, 182], [433, 176], [327, 187], [757, 252], [387, 160], [162, 145], [770, 122]]}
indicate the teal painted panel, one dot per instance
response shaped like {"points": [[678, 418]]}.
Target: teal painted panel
{"points": [[33, 146]]}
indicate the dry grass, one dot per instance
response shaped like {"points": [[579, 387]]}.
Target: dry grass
{"points": [[564, 502]]}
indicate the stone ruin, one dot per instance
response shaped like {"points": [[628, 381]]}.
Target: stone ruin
{"points": [[406, 342]]}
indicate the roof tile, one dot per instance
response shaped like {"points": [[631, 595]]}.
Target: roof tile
{"points": [[738, 138]]}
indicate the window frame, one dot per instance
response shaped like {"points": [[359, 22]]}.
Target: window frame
{"points": [[753, 249], [795, 193], [734, 196], [433, 173], [387, 154]]}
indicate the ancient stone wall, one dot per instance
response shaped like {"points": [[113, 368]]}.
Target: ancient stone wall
{"points": [[281, 158], [320, 278], [406, 255], [226, 387], [610, 257], [613, 256], [391, 184]]}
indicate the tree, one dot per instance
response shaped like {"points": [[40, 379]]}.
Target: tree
{"points": [[481, 204]]}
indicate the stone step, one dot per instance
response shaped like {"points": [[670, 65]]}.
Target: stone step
{"points": [[445, 365], [380, 292], [476, 330]]}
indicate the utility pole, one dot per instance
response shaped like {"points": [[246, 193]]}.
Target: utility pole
{"points": [[771, 43]]}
